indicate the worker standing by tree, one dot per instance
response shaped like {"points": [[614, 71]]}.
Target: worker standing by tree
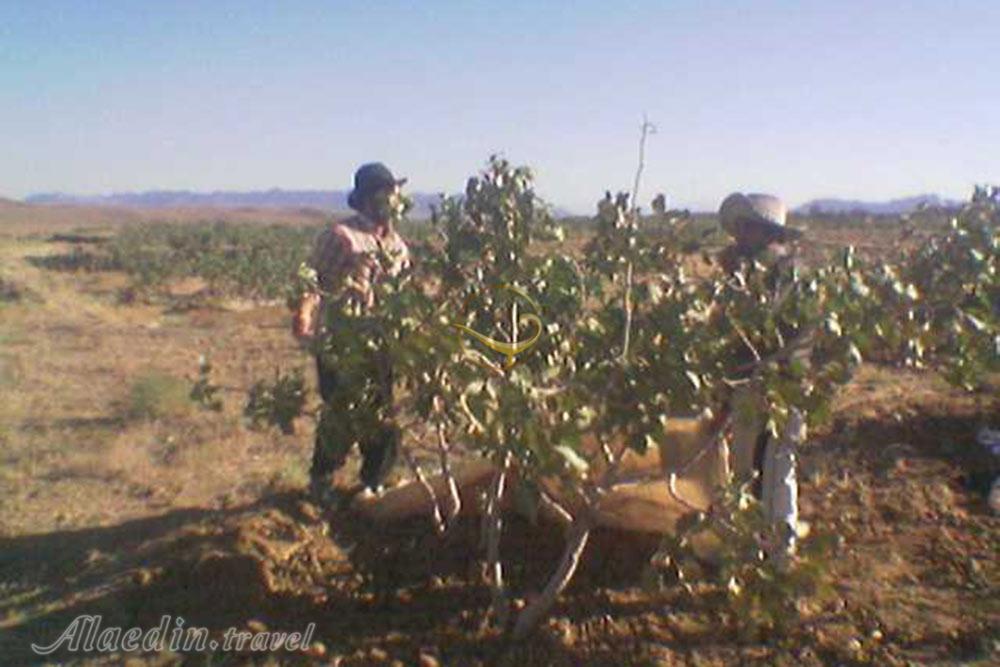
{"points": [[759, 252], [756, 222], [349, 257]]}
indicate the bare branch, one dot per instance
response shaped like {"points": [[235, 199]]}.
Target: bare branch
{"points": [[553, 506], [798, 343], [463, 403], [743, 337], [672, 486], [481, 360], [647, 129], [455, 500], [609, 456], [491, 529], [540, 606], [615, 463], [710, 441], [636, 477], [439, 524]]}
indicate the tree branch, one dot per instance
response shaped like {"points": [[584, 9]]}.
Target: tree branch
{"points": [[439, 524], [491, 529], [647, 129], [576, 542], [455, 499]]}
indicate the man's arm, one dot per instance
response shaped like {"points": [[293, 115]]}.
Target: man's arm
{"points": [[304, 318]]}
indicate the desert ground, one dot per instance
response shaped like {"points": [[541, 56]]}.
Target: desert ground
{"points": [[123, 498]]}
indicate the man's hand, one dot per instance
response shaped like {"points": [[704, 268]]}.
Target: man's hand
{"points": [[304, 320]]}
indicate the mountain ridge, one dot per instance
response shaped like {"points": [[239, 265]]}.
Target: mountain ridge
{"points": [[336, 201], [333, 200], [898, 206]]}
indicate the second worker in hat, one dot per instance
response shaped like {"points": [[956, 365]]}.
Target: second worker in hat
{"points": [[757, 224]]}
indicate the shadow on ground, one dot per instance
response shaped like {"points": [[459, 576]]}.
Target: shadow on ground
{"points": [[401, 588], [378, 593]]}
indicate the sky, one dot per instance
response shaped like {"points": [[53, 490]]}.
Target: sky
{"points": [[867, 100]]}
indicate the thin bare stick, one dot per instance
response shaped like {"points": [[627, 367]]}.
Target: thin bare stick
{"points": [[463, 403], [575, 544], [725, 458], [439, 524], [616, 458], [627, 342], [493, 519], [609, 456], [799, 342], [713, 438], [454, 498], [671, 475], [634, 478], [553, 506], [513, 323], [579, 532], [492, 528], [647, 129], [646, 477], [479, 359], [743, 337], [722, 423]]}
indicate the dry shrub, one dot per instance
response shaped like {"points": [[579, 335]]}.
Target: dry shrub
{"points": [[156, 395]]}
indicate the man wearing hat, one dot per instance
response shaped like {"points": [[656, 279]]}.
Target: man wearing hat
{"points": [[757, 224], [346, 259]]}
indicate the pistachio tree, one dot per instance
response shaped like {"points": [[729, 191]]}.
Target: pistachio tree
{"points": [[623, 338]]}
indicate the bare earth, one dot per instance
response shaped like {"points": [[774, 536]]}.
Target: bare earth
{"points": [[193, 514]]}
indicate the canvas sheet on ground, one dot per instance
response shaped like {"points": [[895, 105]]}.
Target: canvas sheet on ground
{"points": [[645, 507]]}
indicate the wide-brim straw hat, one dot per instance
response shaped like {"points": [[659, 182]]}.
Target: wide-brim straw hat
{"points": [[738, 211]]}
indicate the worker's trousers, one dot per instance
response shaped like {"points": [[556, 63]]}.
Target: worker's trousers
{"points": [[338, 430]]}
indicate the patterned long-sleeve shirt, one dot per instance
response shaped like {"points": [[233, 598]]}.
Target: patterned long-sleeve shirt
{"points": [[349, 250], [346, 256]]}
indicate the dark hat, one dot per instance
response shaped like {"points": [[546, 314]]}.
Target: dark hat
{"points": [[369, 179], [738, 211]]}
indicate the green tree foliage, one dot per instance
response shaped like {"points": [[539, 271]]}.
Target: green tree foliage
{"points": [[630, 339], [233, 259], [277, 402]]}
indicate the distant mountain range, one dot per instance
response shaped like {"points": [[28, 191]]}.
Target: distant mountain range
{"points": [[891, 207], [330, 200], [336, 201]]}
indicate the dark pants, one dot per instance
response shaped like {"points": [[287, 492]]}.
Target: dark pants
{"points": [[335, 434]]}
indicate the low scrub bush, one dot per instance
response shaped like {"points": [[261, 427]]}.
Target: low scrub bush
{"points": [[156, 395]]}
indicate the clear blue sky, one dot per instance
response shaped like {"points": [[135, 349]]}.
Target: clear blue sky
{"points": [[869, 99]]}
